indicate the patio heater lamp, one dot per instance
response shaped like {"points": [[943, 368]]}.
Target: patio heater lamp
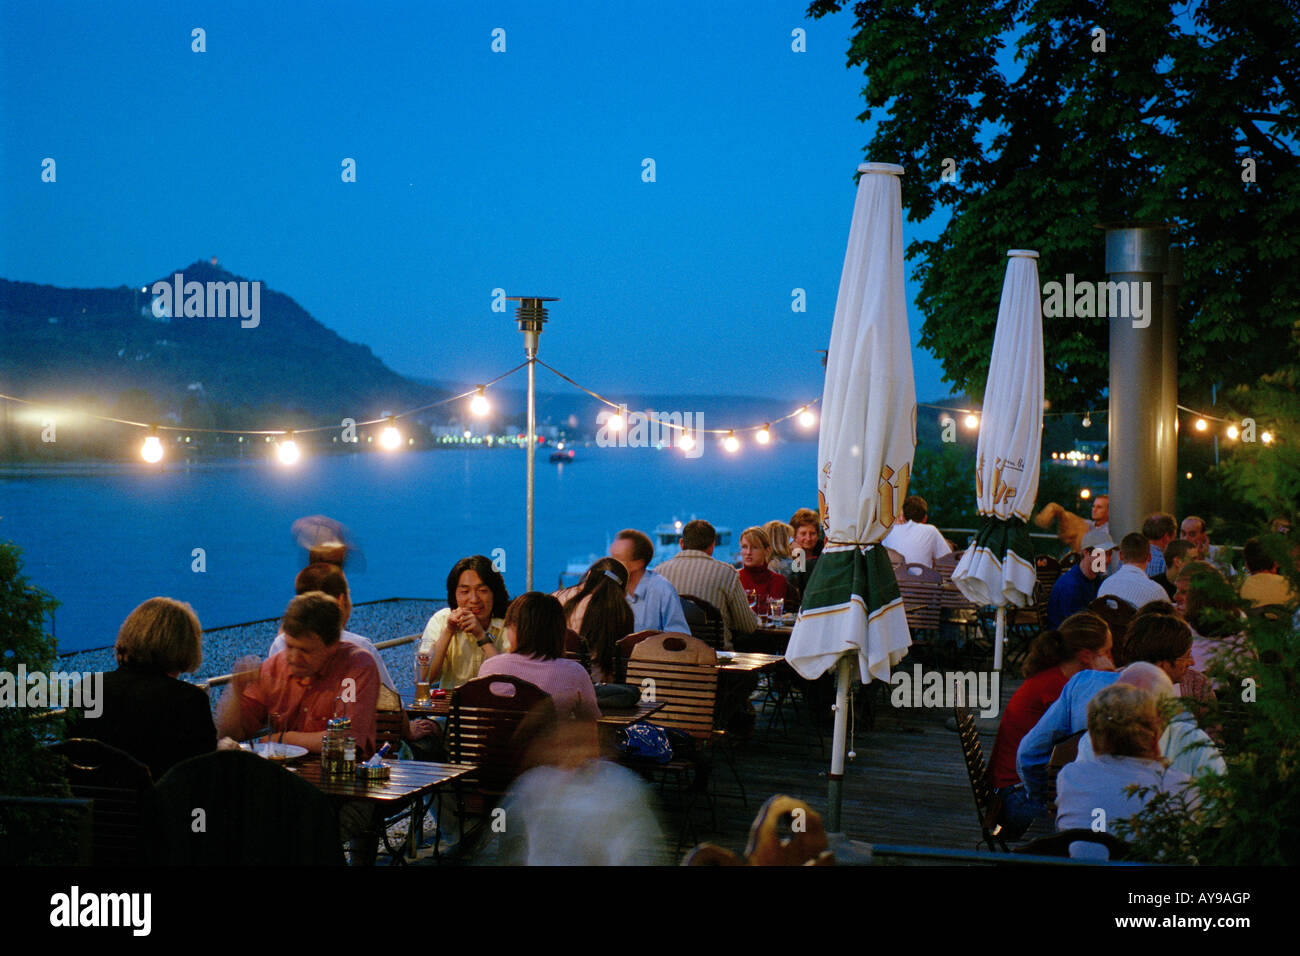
{"points": [[530, 316]]}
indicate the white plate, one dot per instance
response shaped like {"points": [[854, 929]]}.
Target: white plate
{"points": [[284, 751]]}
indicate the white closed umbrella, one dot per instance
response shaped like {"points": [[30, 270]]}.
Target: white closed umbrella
{"points": [[998, 567], [852, 608]]}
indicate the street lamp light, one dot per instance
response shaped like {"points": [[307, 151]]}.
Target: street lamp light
{"points": [[530, 317]]}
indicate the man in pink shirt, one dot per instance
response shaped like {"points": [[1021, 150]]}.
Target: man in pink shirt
{"points": [[303, 682]]}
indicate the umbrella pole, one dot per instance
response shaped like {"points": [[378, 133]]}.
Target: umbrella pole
{"points": [[999, 634], [839, 744]]}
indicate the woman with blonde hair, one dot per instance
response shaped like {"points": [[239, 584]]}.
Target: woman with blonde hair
{"points": [[780, 536], [142, 707], [755, 575]]}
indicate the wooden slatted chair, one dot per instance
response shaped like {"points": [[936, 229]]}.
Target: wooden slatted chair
{"points": [[686, 681], [1047, 569], [919, 587], [493, 721], [1070, 560], [986, 805], [896, 558], [121, 788], [955, 607], [710, 630], [1117, 613]]}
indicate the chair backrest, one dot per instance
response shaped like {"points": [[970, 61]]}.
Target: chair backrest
{"points": [[950, 596], [977, 770], [1070, 560], [121, 787], [920, 588], [389, 725], [896, 557], [255, 812], [1063, 753], [711, 631], [494, 719], [688, 690], [1058, 844]]}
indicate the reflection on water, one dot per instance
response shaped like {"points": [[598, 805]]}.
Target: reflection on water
{"points": [[103, 539]]}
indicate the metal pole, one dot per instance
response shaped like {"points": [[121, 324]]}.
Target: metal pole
{"points": [[1135, 258], [835, 782], [999, 635], [530, 316], [532, 455]]}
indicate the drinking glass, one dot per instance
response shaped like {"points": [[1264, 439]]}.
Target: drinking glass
{"points": [[423, 661], [752, 595], [775, 607], [275, 740]]}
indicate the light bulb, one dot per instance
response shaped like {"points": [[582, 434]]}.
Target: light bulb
{"points": [[731, 443], [1201, 424], [1232, 431], [972, 420], [390, 438], [686, 442], [1087, 421], [615, 422], [1266, 438], [479, 404], [288, 451], [152, 450], [764, 435], [1085, 494], [807, 418]]}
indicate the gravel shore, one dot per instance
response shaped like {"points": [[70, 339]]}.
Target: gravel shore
{"points": [[223, 646]]}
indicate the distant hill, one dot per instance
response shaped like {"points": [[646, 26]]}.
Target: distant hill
{"points": [[76, 341]]}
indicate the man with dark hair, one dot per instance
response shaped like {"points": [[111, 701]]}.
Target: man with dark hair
{"points": [[654, 601], [303, 682], [1077, 588], [1177, 553], [695, 572], [1130, 583], [329, 578], [1159, 529], [916, 541], [1264, 585]]}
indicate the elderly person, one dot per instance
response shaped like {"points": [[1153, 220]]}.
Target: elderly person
{"points": [[144, 709], [755, 574], [598, 611], [1125, 726], [535, 628], [1083, 642], [471, 628]]}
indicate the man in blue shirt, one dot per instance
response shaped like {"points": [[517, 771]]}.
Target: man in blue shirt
{"points": [[1077, 588], [655, 603]]}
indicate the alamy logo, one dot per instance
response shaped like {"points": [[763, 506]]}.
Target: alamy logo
{"points": [[208, 300], [83, 691], [947, 689], [1085, 300], [623, 429], [75, 908]]}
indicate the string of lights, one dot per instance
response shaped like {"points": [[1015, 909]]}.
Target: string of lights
{"points": [[390, 437]]}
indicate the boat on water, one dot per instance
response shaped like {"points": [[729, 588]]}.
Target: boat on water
{"points": [[562, 455]]}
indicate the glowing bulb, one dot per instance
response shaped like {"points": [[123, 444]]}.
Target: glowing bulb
{"points": [[764, 435], [390, 438], [1232, 431], [686, 442], [807, 418], [1085, 494], [465, 433], [1087, 421], [1201, 424], [731, 443], [1096, 457], [479, 404], [288, 451], [1054, 456], [1266, 438], [615, 422], [1189, 476], [152, 450], [972, 420]]}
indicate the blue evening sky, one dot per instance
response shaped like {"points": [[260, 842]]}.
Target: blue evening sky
{"points": [[475, 170]]}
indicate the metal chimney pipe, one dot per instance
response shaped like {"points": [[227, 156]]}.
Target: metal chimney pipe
{"points": [[1136, 256], [1169, 381]]}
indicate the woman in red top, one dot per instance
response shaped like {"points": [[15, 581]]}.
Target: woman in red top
{"points": [[755, 550], [1082, 642]]}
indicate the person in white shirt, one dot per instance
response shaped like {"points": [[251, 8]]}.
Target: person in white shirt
{"points": [[916, 541], [1125, 726], [1130, 583]]}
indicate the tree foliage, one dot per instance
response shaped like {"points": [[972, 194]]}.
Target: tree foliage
{"points": [[1051, 135]]}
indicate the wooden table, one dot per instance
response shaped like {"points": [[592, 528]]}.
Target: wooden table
{"points": [[740, 663], [626, 716], [412, 781]]}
